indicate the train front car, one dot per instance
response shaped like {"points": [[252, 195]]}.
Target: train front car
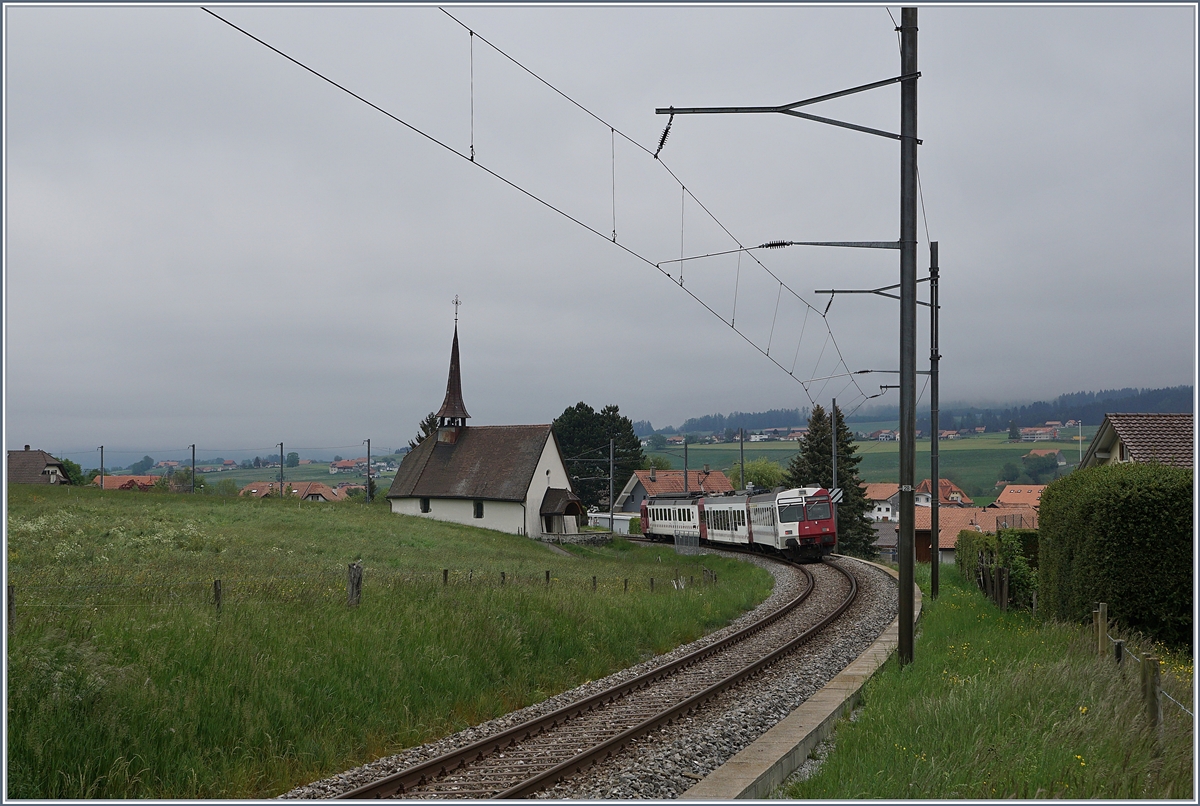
{"points": [[806, 523]]}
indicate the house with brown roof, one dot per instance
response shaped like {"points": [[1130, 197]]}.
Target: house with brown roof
{"points": [[1146, 438], [511, 478], [950, 494], [35, 467], [645, 483]]}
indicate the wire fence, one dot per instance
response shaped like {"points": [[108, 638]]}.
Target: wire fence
{"points": [[1149, 666], [330, 587]]}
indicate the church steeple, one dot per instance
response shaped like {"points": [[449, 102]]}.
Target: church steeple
{"points": [[453, 413]]}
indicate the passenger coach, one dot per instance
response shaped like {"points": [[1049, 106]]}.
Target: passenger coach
{"points": [[799, 523]]}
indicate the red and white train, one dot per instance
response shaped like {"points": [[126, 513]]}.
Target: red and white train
{"points": [[800, 523]]}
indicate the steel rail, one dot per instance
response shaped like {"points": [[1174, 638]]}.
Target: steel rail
{"points": [[431, 769], [613, 745]]}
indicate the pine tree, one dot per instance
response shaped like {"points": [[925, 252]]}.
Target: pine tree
{"points": [[813, 465]]}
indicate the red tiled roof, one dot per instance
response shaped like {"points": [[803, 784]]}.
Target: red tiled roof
{"points": [[1043, 452], [1020, 494], [300, 489], [671, 481], [945, 487], [880, 491], [126, 482]]}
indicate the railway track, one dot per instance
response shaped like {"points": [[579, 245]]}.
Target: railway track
{"points": [[528, 757]]}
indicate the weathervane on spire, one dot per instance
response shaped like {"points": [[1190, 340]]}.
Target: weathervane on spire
{"points": [[456, 304]]}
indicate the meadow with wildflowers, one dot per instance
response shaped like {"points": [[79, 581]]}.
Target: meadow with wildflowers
{"points": [[125, 681], [1004, 705]]}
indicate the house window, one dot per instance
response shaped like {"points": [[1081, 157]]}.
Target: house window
{"points": [[478, 509], [424, 504]]}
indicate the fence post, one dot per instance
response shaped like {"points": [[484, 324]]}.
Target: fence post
{"points": [[652, 584], [354, 584], [1096, 625], [1152, 692], [593, 583], [501, 577], [217, 594], [12, 605], [1119, 650], [445, 576], [627, 586], [1102, 630], [547, 577]]}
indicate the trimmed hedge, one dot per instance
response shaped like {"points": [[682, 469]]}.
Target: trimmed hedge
{"points": [[1010, 549], [1120, 534]]}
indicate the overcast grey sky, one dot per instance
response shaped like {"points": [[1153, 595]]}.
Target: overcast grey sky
{"points": [[207, 243]]}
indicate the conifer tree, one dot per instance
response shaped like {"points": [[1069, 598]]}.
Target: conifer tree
{"points": [[813, 465]]}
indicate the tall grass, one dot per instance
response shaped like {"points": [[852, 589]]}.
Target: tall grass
{"points": [[1000, 705], [124, 680]]}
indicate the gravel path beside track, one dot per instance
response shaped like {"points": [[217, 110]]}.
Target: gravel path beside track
{"points": [[666, 763]]}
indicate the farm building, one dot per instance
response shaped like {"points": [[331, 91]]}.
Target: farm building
{"points": [[511, 478]]}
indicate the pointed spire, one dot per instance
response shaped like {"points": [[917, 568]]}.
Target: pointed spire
{"points": [[453, 410]]}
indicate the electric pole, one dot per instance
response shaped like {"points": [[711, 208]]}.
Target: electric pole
{"points": [[193, 468], [102, 467], [908, 322], [907, 245], [368, 441], [934, 545], [281, 470]]}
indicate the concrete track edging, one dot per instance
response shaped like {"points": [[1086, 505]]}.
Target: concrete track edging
{"points": [[758, 769]]}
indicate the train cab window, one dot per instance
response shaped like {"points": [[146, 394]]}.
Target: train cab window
{"points": [[791, 513], [818, 512]]}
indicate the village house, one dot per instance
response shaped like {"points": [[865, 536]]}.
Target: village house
{"points": [[511, 478], [1038, 434], [885, 501], [1161, 438], [35, 467], [645, 483], [950, 494]]}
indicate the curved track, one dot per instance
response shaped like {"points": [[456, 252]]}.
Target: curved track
{"points": [[535, 754]]}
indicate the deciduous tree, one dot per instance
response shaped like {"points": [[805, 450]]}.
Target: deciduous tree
{"points": [[583, 433]]}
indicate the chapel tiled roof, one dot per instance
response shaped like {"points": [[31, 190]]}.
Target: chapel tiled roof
{"points": [[487, 462]]}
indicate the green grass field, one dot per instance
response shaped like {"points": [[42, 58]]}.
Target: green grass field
{"points": [[974, 463], [1000, 705], [125, 682]]}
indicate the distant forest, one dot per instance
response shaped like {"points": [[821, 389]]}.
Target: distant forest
{"points": [[1087, 406]]}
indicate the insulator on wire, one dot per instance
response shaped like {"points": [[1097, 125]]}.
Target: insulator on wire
{"points": [[775, 244], [662, 141]]}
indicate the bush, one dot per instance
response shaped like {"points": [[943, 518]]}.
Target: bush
{"points": [[1120, 534], [635, 526], [1007, 549]]}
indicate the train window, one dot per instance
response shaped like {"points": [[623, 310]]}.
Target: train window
{"points": [[791, 513], [818, 512]]}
